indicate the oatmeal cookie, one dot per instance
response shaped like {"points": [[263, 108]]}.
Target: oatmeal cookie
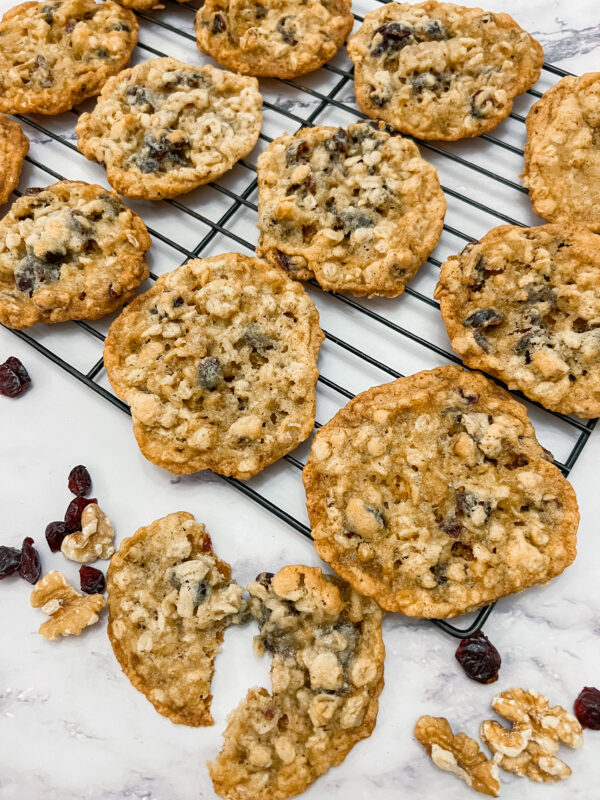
{"points": [[70, 251], [327, 675], [14, 146], [432, 495], [562, 153], [523, 304], [358, 209], [218, 363], [170, 599], [55, 54], [164, 127], [277, 38], [441, 71]]}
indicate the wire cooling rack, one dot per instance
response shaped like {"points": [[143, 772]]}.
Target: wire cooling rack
{"points": [[366, 341]]}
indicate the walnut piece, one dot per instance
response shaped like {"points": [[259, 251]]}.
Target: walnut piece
{"points": [[95, 539], [529, 748], [71, 612], [458, 754]]}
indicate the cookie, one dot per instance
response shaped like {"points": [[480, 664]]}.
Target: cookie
{"points": [[523, 304], [145, 5], [170, 599], [164, 127], [277, 38], [441, 71], [432, 495], [562, 153], [358, 209], [55, 54], [70, 251], [14, 146], [218, 363], [326, 674]]}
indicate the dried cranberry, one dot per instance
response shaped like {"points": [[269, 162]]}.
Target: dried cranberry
{"points": [[55, 533], [587, 708], [14, 378], [479, 658], [73, 512], [10, 561], [91, 579], [30, 567], [80, 482]]}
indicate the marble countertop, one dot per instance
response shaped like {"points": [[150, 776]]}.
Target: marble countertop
{"points": [[71, 725]]}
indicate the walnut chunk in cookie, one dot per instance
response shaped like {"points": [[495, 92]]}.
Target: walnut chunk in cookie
{"points": [[523, 304], [70, 611], [277, 38], [218, 363], [55, 54], [164, 127], [14, 146], [358, 209], [432, 495], [326, 673], [441, 71], [459, 754], [529, 748], [70, 251], [170, 600]]}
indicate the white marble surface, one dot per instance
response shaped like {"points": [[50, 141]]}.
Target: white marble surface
{"points": [[71, 725]]}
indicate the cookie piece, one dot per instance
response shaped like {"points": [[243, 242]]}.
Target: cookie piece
{"points": [[277, 38], [145, 5], [14, 146], [70, 251], [218, 363], [358, 209], [164, 127], [55, 54], [562, 153], [327, 675], [170, 599], [432, 495], [524, 305], [441, 71]]}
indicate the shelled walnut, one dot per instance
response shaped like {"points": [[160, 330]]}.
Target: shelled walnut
{"points": [[530, 747], [70, 611], [95, 539]]}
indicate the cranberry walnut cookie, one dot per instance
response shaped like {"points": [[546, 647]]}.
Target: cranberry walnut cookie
{"points": [[164, 127], [277, 38], [55, 54], [523, 304], [14, 146], [218, 363], [441, 71], [358, 209], [326, 674], [432, 495], [170, 600], [70, 251], [562, 152]]}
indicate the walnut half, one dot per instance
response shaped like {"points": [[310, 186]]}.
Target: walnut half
{"points": [[70, 611], [95, 539], [458, 754], [530, 747]]}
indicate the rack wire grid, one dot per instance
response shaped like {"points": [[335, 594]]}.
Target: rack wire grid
{"points": [[367, 341]]}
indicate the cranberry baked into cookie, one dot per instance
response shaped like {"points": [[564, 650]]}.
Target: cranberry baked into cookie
{"points": [[55, 54], [70, 251], [14, 146], [170, 600], [524, 305], [562, 153], [278, 38], [327, 675], [218, 363], [164, 127], [441, 71], [432, 495], [357, 209]]}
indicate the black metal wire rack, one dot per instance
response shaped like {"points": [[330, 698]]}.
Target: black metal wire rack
{"points": [[406, 332]]}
